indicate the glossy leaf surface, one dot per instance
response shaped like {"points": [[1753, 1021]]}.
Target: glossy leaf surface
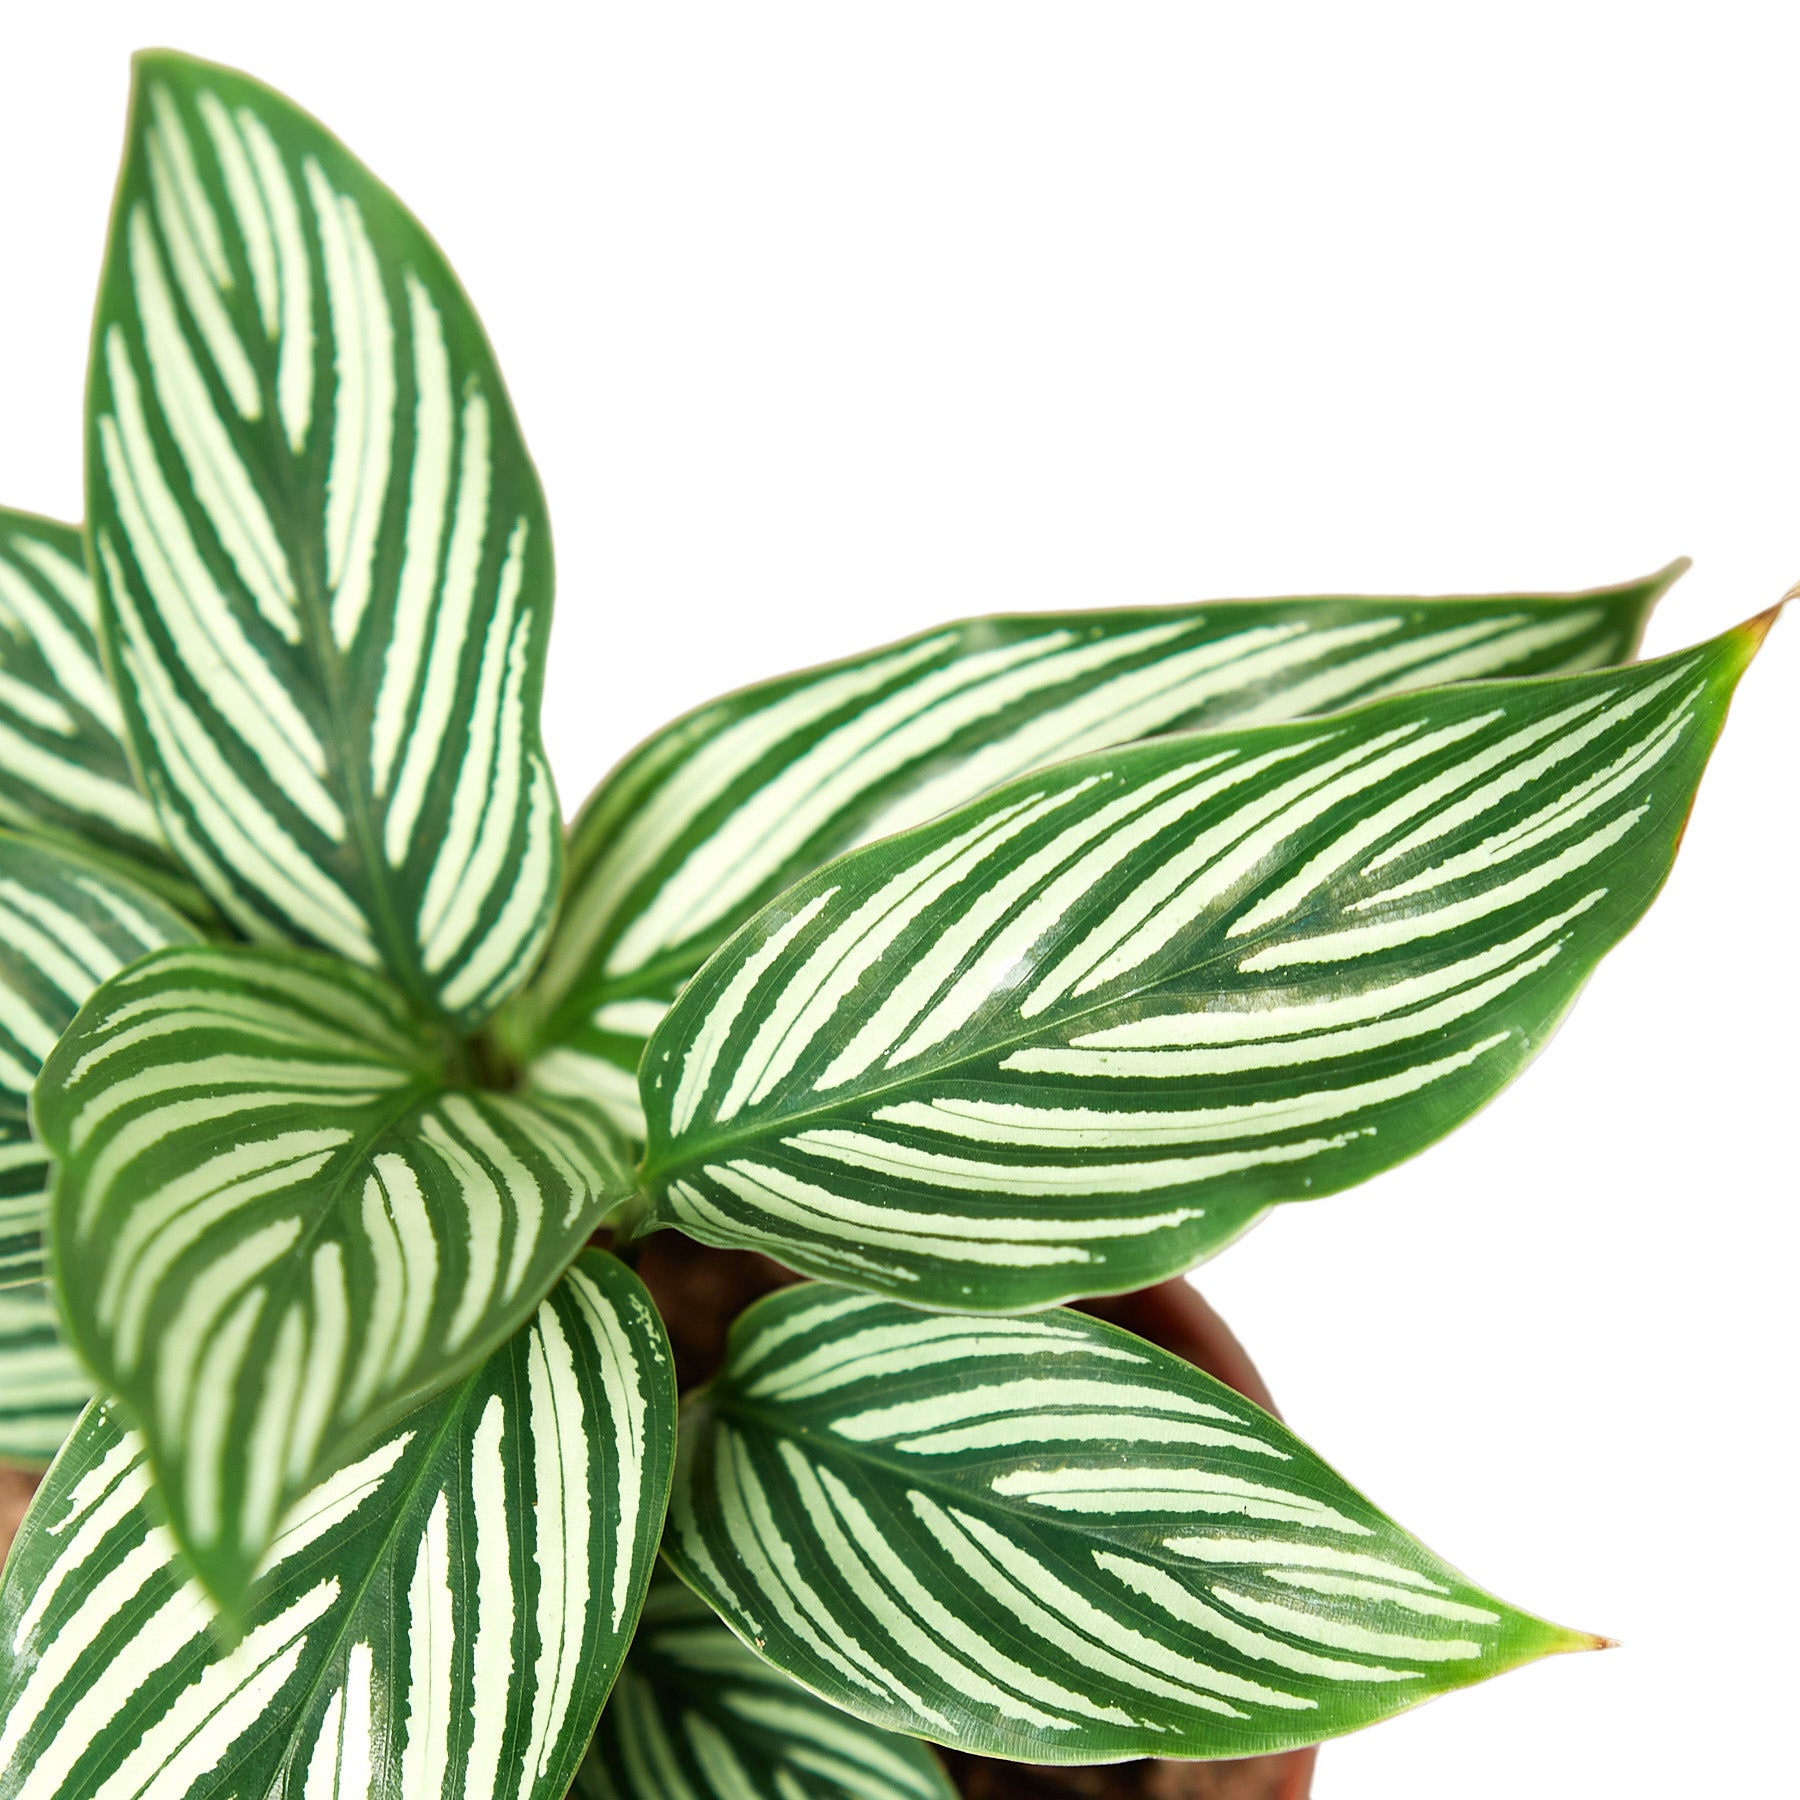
{"points": [[276, 1229], [322, 551], [1070, 1038], [716, 815], [1046, 1539], [441, 1619], [698, 1716], [42, 1387], [66, 925]]}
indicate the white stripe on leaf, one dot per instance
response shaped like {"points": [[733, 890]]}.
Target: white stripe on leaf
{"points": [[1235, 995], [388, 1660], [1075, 1568], [65, 927], [62, 755], [286, 1228], [325, 568], [743, 797]]}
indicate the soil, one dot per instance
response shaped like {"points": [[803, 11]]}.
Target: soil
{"points": [[700, 1291]]}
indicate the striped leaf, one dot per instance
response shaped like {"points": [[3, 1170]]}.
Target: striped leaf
{"points": [[42, 1387], [439, 1621], [64, 774], [322, 551], [1046, 1539], [716, 815], [276, 1228], [66, 925], [697, 1716], [1075, 1035]]}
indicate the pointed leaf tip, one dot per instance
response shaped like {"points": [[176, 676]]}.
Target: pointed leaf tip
{"points": [[1568, 1642], [1667, 576], [727, 808], [1160, 934], [1152, 1564], [1753, 631], [287, 375]]}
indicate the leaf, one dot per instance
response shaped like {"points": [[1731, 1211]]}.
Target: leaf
{"points": [[65, 926], [697, 1716], [1079, 1033], [1049, 1540], [443, 1617], [42, 1387], [717, 814], [322, 551], [276, 1229], [64, 775]]}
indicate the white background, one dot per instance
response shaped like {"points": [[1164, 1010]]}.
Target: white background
{"points": [[826, 324]]}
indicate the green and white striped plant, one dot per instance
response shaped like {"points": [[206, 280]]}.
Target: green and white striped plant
{"points": [[1029, 960]]}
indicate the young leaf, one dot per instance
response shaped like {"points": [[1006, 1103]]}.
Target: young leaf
{"points": [[65, 926], [276, 1229], [714, 816], [42, 1387], [321, 548], [697, 1716], [1046, 1539], [1083, 1031], [64, 775], [442, 1618]]}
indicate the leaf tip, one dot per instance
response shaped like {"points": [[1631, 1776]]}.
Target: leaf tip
{"points": [[1747, 638], [1644, 596], [1540, 1638]]}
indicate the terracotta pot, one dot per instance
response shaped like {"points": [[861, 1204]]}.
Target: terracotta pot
{"points": [[700, 1291], [16, 1488]]}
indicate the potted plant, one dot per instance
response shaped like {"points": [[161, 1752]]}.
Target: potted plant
{"points": [[1021, 964]]}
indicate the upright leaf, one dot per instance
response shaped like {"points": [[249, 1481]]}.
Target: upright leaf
{"points": [[1048, 1540], [442, 1618], [276, 1228], [1077, 1034], [321, 548], [64, 775], [42, 1387], [66, 925], [697, 1716], [714, 816]]}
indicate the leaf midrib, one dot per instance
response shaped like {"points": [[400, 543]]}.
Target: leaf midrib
{"points": [[817, 1444], [856, 1098], [297, 511], [1061, 1533], [400, 1512]]}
